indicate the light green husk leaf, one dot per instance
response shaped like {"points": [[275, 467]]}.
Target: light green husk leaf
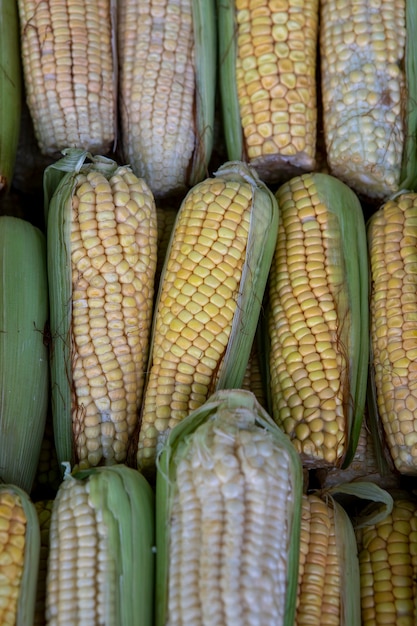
{"points": [[222, 405], [382, 454], [380, 502], [10, 91], [260, 249], [24, 373], [350, 582], [232, 126], [126, 502], [205, 36], [408, 178], [344, 203]]}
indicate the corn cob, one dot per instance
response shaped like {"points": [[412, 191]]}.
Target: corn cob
{"points": [[368, 92], [228, 495], [267, 56], [10, 91], [209, 299], [101, 562], [24, 375], [167, 61], [102, 237], [392, 240], [68, 59], [388, 566], [318, 319], [44, 512], [19, 556], [329, 568]]}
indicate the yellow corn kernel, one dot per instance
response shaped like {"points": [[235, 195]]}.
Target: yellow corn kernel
{"points": [[12, 554], [362, 58], [113, 237], [200, 319], [366, 465], [392, 237], [69, 73], [388, 567], [197, 303], [319, 579], [275, 73]]}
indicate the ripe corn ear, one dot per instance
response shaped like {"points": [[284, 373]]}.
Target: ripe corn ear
{"points": [[368, 53], [101, 561], [167, 60], [19, 556], [209, 299], [318, 319], [388, 566], [24, 373], [267, 54], [228, 492], [68, 57], [329, 567], [10, 92], [102, 237], [392, 241]]}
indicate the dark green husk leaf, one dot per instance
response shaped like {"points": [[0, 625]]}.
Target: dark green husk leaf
{"points": [[24, 371], [10, 91]]}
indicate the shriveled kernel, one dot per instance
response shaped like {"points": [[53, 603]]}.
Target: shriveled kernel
{"points": [[111, 332]]}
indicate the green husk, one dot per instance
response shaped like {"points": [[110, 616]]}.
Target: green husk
{"points": [[344, 203], [259, 253], [126, 502], [28, 585], [10, 91], [24, 374], [366, 502], [232, 127], [205, 36], [222, 403], [355, 505], [408, 177], [350, 574], [383, 458]]}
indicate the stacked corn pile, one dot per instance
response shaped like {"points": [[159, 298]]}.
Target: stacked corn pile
{"points": [[208, 241]]}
